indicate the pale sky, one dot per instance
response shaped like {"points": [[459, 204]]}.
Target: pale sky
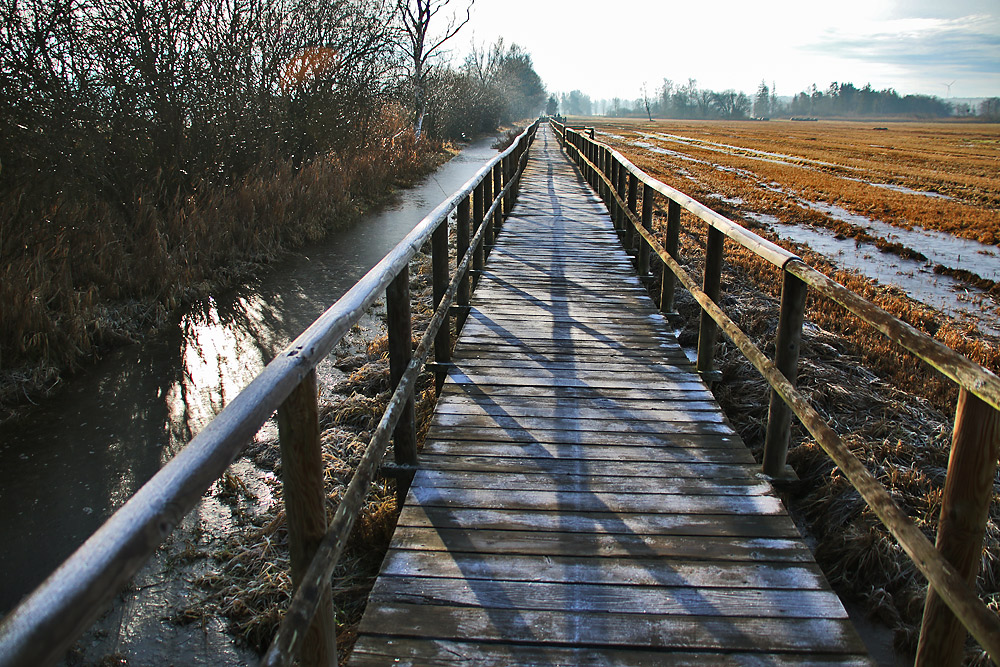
{"points": [[609, 49]]}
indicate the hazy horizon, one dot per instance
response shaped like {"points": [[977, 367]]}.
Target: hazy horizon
{"points": [[948, 50]]}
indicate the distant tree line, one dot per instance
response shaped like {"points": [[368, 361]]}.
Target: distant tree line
{"points": [[845, 99], [688, 101]]}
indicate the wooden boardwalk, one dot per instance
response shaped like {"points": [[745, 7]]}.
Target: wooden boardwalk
{"points": [[582, 500]]}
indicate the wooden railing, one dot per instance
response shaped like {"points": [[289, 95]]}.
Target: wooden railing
{"points": [[952, 605], [41, 629]]}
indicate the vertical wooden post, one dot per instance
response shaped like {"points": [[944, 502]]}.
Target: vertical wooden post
{"points": [[786, 358], [508, 199], [616, 212], [590, 170], [606, 173], [633, 195], [968, 490], [305, 508], [461, 248], [671, 243], [622, 186], [597, 177], [440, 281], [489, 194], [605, 170], [712, 284], [498, 214], [515, 176], [397, 315], [479, 210], [647, 222]]}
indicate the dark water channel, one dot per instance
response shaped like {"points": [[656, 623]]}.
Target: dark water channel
{"points": [[79, 456]]}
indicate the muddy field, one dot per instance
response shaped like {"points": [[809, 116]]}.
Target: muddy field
{"points": [[906, 215], [913, 205]]}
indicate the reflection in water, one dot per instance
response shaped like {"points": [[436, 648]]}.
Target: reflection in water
{"points": [[220, 354], [78, 457]]}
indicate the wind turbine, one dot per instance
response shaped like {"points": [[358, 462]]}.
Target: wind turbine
{"points": [[948, 86]]}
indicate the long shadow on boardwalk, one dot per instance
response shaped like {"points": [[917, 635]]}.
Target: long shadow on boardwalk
{"points": [[582, 502]]}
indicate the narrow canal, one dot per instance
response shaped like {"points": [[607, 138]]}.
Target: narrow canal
{"points": [[79, 456]]}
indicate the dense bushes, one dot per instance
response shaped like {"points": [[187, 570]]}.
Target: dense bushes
{"points": [[153, 149]]}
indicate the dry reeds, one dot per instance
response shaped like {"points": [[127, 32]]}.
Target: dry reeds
{"points": [[251, 585], [80, 273]]}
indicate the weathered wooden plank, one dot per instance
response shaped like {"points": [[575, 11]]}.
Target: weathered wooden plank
{"points": [[510, 314], [596, 501], [613, 629], [686, 422], [587, 374], [465, 479], [564, 379], [731, 576], [670, 362], [552, 445], [648, 412], [613, 523], [586, 349], [595, 402], [551, 543], [371, 651], [568, 331], [567, 466], [658, 598], [555, 392]]}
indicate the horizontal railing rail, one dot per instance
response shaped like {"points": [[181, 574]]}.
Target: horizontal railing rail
{"points": [[950, 566], [44, 625]]}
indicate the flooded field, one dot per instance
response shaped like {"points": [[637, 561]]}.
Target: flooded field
{"points": [[911, 205]]}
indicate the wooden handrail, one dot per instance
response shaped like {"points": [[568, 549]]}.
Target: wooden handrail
{"points": [[975, 445], [316, 581], [44, 625], [765, 249], [966, 373]]}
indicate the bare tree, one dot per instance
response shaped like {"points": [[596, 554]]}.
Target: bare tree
{"points": [[645, 101], [420, 46]]}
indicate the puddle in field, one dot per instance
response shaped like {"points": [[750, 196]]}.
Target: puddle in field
{"points": [[666, 151], [732, 201], [949, 295], [752, 153], [939, 248], [776, 158], [905, 190]]}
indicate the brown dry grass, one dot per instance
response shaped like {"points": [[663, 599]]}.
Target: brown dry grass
{"points": [[955, 159], [252, 585], [79, 273]]}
